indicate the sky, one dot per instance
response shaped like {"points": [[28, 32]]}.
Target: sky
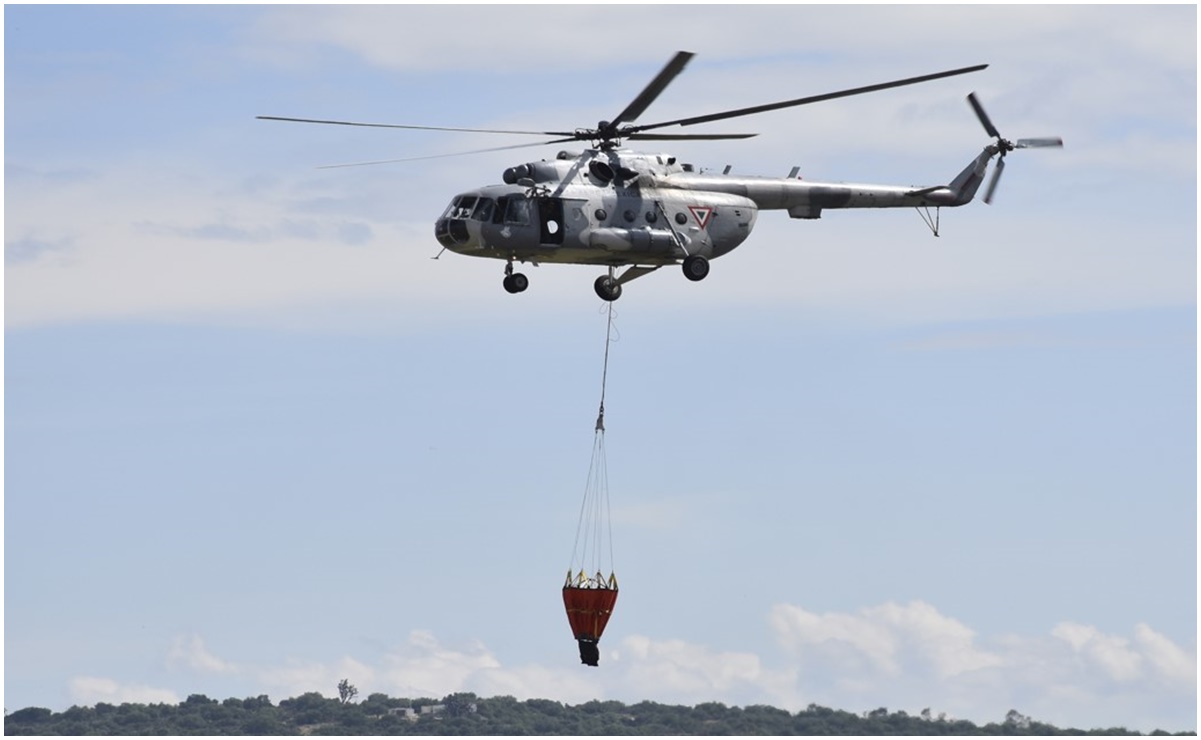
{"points": [[257, 440]]}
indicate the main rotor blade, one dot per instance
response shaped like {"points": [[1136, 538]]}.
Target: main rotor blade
{"points": [[421, 128], [996, 177], [984, 119], [440, 156], [655, 88], [687, 137], [805, 101]]}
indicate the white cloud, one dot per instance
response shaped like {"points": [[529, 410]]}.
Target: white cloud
{"points": [[911, 656], [1170, 663], [1149, 72], [902, 656], [796, 629], [298, 677], [200, 233], [190, 652], [1109, 653], [89, 690], [530, 681], [425, 667], [893, 638], [139, 247], [945, 32], [1149, 656], [136, 247], [681, 672]]}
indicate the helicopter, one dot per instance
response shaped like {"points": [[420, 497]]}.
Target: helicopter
{"points": [[616, 208]]}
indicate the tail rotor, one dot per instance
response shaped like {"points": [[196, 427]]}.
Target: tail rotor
{"points": [[996, 177], [1004, 146]]}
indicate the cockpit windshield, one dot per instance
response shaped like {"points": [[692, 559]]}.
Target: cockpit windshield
{"points": [[483, 210], [470, 207], [460, 207]]}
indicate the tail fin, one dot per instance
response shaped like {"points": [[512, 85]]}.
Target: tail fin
{"points": [[966, 183]]}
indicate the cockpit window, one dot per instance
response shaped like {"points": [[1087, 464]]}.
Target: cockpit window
{"points": [[460, 207], [483, 210], [517, 212], [466, 203]]}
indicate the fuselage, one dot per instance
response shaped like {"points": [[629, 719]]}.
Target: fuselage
{"points": [[598, 208], [617, 207]]}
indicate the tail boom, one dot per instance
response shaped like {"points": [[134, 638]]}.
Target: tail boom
{"points": [[807, 199]]}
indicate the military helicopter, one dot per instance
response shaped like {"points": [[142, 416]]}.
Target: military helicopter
{"points": [[613, 207]]}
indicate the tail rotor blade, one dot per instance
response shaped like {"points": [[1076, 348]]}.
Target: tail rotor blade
{"points": [[1039, 143], [984, 119], [1003, 146], [996, 177]]}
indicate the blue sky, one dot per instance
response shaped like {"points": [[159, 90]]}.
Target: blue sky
{"points": [[258, 441]]}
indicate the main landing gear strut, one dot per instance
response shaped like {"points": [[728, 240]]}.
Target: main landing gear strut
{"points": [[608, 287]]}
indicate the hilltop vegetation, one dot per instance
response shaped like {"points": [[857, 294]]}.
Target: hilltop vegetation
{"points": [[467, 714]]}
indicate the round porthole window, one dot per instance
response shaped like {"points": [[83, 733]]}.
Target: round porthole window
{"points": [[601, 214], [629, 216], [681, 219], [651, 217]]}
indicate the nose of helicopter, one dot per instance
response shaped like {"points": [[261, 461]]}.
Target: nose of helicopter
{"points": [[451, 230], [452, 233], [458, 230]]}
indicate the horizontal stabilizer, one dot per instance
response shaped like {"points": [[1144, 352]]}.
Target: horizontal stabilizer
{"points": [[926, 191]]}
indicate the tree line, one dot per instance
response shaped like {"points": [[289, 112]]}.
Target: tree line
{"points": [[467, 714]]}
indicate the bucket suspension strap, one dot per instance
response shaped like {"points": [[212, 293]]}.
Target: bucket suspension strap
{"points": [[593, 550], [600, 419], [589, 598]]}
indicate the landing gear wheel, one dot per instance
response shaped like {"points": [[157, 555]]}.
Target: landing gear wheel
{"points": [[696, 267], [607, 288], [516, 283]]}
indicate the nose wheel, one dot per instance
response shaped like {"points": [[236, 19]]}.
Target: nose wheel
{"points": [[516, 283]]}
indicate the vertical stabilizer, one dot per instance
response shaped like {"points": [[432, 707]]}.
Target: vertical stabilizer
{"points": [[966, 183]]}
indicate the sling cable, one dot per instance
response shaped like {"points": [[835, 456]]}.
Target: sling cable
{"points": [[588, 594]]}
